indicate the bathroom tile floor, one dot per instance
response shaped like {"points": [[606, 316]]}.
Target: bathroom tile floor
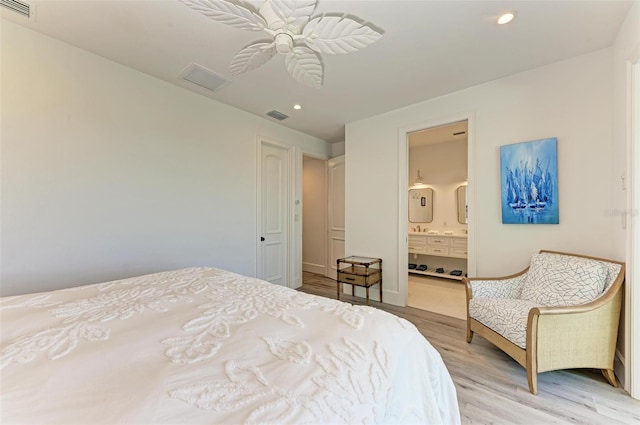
{"points": [[437, 295]]}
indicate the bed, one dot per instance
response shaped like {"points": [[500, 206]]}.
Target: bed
{"points": [[204, 345]]}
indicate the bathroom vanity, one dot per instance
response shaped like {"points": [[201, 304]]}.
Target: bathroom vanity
{"points": [[447, 252], [437, 251]]}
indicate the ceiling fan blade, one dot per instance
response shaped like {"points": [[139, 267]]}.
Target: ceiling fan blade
{"points": [[304, 66], [228, 13], [334, 34], [295, 12], [251, 57]]}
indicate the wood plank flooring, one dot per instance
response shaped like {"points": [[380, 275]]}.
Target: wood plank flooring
{"points": [[492, 388]]}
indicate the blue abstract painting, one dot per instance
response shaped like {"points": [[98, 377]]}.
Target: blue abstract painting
{"points": [[529, 182]]}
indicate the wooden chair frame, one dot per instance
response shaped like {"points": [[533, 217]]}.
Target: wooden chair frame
{"points": [[581, 336]]}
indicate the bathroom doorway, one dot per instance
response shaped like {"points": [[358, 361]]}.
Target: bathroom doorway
{"points": [[314, 215], [438, 218]]}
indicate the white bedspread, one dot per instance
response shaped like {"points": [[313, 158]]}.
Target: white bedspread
{"points": [[204, 345]]}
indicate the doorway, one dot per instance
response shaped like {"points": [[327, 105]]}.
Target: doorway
{"points": [[323, 214], [437, 219], [451, 195], [314, 215]]}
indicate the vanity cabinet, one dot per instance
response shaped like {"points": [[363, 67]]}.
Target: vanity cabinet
{"points": [[458, 248], [437, 245], [442, 245], [450, 246], [417, 244], [447, 246]]}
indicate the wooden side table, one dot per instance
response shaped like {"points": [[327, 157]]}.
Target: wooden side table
{"points": [[360, 271]]}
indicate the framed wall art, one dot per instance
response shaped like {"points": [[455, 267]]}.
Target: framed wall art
{"points": [[529, 182]]}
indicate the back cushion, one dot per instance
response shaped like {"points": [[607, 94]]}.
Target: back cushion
{"points": [[561, 280]]}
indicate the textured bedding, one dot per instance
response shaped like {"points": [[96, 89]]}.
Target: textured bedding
{"points": [[204, 345]]}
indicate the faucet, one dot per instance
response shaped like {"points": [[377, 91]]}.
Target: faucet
{"points": [[418, 227]]}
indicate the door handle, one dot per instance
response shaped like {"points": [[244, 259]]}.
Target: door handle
{"points": [[261, 238]]}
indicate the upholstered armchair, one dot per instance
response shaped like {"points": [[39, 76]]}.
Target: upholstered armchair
{"points": [[561, 312]]}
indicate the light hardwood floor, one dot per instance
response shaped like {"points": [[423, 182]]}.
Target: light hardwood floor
{"points": [[492, 388]]}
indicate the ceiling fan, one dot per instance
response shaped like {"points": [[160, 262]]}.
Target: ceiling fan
{"points": [[293, 34]]}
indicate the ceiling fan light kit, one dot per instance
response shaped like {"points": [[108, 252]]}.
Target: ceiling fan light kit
{"points": [[293, 32]]}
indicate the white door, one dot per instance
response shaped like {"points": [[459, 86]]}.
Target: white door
{"points": [[273, 220], [335, 183]]}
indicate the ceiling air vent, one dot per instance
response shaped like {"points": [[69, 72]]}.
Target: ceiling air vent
{"points": [[277, 115], [203, 77], [17, 6]]}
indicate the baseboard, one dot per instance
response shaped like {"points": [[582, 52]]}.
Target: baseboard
{"points": [[314, 268], [619, 369]]}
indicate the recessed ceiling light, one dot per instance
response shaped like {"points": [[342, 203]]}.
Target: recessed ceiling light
{"points": [[297, 107], [506, 18]]}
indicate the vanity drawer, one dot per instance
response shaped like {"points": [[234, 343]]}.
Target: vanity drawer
{"points": [[417, 244], [459, 242], [437, 241], [458, 252], [419, 250], [417, 240], [438, 250]]}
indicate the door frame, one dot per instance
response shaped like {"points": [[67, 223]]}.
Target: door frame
{"points": [[294, 228], [403, 197], [632, 296]]}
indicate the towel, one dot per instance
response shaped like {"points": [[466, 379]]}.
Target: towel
{"points": [[421, 267], [433, 232], [456, 273], [439, 270], [412, 266]]}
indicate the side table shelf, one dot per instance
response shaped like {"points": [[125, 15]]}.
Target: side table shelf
{"points": [[360, 271]]}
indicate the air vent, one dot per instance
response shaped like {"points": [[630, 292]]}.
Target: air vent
{"points": [[203, 77], [277, 115], [17, 6]]}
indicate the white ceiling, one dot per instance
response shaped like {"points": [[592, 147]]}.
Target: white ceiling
{"points": [[429, 48], [443, 134]]}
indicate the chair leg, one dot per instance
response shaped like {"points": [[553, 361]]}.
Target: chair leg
{"points": [[469, 334], [532, 378], [610, 377]]}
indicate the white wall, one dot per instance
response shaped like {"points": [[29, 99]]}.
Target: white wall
{"points": [[107, 172], [570, 100], [443, 166], [314, 216], [337, 149]]}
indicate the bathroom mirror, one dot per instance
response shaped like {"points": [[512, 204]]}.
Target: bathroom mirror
{"points": [[461, 202], [421, 205]]}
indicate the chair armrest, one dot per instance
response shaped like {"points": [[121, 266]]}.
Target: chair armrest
{"points": [[500, 287], [575, 336]]}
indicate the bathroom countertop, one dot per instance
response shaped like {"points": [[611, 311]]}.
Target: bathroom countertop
{"points": [[454, 235]]}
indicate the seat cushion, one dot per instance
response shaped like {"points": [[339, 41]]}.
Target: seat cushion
{"points": [[562, 280], [508, 317]]}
